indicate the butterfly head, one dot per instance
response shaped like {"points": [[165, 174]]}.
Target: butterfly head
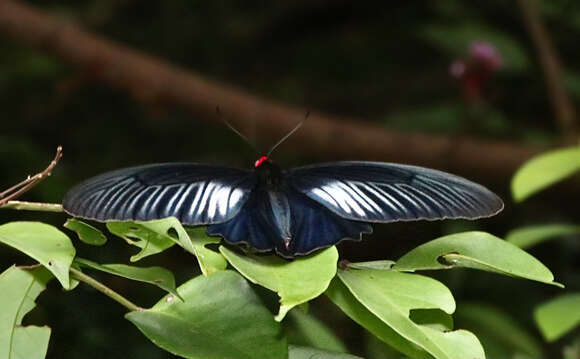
{"points": [[260, 161], [269, 174]]}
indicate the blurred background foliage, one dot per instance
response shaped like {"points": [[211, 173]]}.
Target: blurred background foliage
{"points": [[387, 63]]}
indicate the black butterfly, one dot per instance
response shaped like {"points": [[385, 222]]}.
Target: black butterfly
{"points": [[293, 212]]}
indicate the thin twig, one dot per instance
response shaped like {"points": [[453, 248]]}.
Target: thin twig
{"points": [[563, 108], [33, 206], [24, 186], [80, 276]]}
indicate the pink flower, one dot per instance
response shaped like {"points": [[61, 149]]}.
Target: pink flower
{"points": [[486, 54], [474, 71]]}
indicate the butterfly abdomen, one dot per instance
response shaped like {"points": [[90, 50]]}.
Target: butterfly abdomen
{"points": [[281, 215]]}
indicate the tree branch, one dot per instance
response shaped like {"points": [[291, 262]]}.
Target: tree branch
{"points": [[24, 186], [563, 108], [324, 136]]}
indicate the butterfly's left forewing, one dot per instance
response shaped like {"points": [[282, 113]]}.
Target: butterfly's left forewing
{"points": [[388, 192], [195, 194]]}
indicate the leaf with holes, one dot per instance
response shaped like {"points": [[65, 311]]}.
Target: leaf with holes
{"points": [[209, 261], [296, 282], [343, 298], [157, 276], [477, 250], [153, 236], [43, 242], [86, 232], [19, 288], [390, 297], [544, 170], [220, 317]]}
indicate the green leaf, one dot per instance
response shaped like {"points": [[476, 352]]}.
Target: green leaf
{"points": [[433, 318], [49, 246], [296, 352], [500, 334], [477, 250], [19, 288], [152, 237], [382, 265], [157, 276], [558, 316], [544, 170], [343, 298], [390, 296], [376, 349], [221, 317], [304, 329], [156, 236], [295, 281], [529, 236], [86, 232], [209, 261]]}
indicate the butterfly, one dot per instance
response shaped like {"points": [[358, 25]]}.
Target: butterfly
{"points": [[291, 212]]}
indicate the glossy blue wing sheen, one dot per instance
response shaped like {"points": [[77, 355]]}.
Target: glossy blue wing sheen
{"points": [[195, 194], [388, 192], [291, 213]]}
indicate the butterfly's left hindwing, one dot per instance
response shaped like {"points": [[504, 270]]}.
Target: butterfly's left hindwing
{"points": [[195, 194], [388, 192]]}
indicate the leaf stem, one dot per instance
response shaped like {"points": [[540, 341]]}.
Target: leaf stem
{"points": [[33, 206], [77, 274]]}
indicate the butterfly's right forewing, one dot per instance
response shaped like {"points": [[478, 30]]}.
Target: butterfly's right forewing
{"points": [[388, 192]]}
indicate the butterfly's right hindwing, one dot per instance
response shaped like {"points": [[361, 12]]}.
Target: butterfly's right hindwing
{"points": [[194, 194]]}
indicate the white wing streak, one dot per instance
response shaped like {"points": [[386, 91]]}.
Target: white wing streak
{"points": [[367, 202], [195, 194], [386, 192]]}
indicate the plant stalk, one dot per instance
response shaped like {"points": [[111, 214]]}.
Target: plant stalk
{"points": [[33, 206], [80, 276]]}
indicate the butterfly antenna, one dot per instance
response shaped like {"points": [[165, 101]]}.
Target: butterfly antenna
{"points": [[231, 127], [289, 133]]}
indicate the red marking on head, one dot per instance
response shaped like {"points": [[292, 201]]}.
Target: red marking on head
{"points": [[260, 160]]}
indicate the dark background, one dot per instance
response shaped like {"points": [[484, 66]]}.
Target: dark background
{"points": [[385, 64]]}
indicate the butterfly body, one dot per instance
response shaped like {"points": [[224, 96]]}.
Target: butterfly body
{"points": [[279, 218], [292, 212], [275, 207]]}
